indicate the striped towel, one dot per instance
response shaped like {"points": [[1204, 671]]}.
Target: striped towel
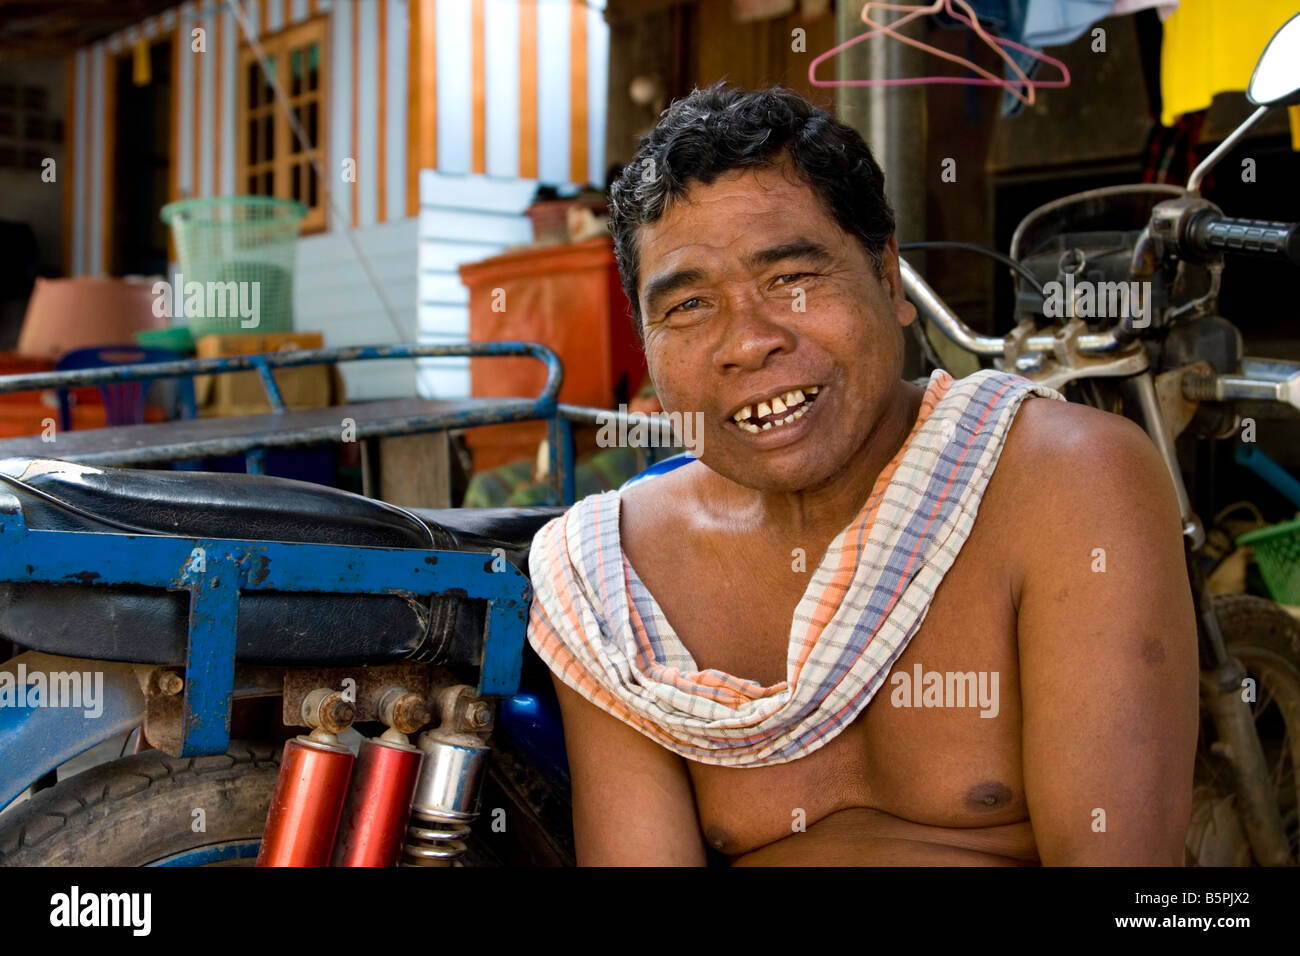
{"points": [[600, 630]]}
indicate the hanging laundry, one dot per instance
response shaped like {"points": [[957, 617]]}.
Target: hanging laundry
{"points": [[1007, 19], [1037, 23], [1057, 22], [1163, 7], [1041, 23], [1212, 46]]}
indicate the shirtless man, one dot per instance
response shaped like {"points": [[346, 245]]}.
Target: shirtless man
{"points": [[1088, 759]]}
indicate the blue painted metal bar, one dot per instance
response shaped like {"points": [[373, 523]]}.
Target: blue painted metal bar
{"points": [[561, 461], [33, 381], [569, 492], [77, 557], [210, 653], [658, 427], [268, 383], [255, 461]]}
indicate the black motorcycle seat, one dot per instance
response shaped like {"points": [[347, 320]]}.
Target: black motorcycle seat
{"points": [[146, 625], [483, 529]]}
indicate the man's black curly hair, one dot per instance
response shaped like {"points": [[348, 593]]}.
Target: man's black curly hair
{"points": [[723, 128]]}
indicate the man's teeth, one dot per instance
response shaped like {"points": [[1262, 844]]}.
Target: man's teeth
{"points": [[793, 399]]}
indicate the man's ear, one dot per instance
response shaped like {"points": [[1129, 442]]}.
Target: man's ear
{"points": [[893, 278]]}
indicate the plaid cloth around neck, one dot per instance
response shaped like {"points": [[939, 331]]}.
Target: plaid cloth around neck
{"points": [[600, 630]]}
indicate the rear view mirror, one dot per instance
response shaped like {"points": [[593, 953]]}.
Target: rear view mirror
{"points": [[1276, 80]]}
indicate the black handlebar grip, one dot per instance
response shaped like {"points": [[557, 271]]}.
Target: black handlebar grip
{"points": [[1257, 237]]}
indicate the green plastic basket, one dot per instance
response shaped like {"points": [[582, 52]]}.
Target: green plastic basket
{"points": [[246, 240], [1277, 552], [177, 338]]}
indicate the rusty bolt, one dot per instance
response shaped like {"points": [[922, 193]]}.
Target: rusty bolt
{"points": [[460, 711], [328, 710], [170, 683], [164, 683], [403, 710], [479, 714]]}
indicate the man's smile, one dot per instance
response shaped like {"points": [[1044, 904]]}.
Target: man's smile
{"points": [[777, 419]]}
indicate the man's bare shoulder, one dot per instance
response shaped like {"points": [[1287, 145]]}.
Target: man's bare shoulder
{"points": [[1069, 472], [1055, 448]]}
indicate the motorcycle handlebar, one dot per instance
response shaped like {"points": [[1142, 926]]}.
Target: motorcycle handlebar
{"points": [[1213, 233]]}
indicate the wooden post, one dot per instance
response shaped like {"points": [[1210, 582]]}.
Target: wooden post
{"points": [[415, 470]]}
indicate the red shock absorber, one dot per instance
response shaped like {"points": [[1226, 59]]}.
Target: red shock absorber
{"points": [[379, 802], [311, 787], [307, 802], [383, 784]]}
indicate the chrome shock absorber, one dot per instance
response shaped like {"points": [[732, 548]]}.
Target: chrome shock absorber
{"points": [[447, 794]]}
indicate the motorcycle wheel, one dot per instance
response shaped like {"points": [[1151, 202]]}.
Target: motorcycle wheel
{"points": [[1266, 639], [141, 811]]}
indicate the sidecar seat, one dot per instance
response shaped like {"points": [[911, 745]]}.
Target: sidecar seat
{"points": [[147, 625]]}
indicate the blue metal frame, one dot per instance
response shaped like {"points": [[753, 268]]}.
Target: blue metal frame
{"points": [[216, 571]]}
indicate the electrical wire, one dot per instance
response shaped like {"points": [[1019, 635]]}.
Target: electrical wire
{"points": [[1001, 257]]}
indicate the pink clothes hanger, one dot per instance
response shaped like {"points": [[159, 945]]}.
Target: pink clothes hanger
{"points": [[890, 29], [970, 19]]}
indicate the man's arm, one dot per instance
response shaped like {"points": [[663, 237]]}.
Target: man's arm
{"points": [[632, 800], [1108, 658]]}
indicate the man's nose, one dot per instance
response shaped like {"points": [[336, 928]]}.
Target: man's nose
{"points": [[753, 332]]}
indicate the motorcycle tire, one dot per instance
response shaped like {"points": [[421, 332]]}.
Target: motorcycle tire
{"points": [[141, 811], [1266, 639]]}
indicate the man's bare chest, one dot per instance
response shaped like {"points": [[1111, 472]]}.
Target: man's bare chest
{"points": [[939, 742]]}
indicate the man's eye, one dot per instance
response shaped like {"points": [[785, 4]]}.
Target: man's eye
{"points": [[682, 305], [791, 276]]}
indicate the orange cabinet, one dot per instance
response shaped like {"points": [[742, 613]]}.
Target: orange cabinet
{"points": [[567, 297]]}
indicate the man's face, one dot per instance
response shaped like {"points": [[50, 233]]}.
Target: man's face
{"points": [[750, 291]]}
